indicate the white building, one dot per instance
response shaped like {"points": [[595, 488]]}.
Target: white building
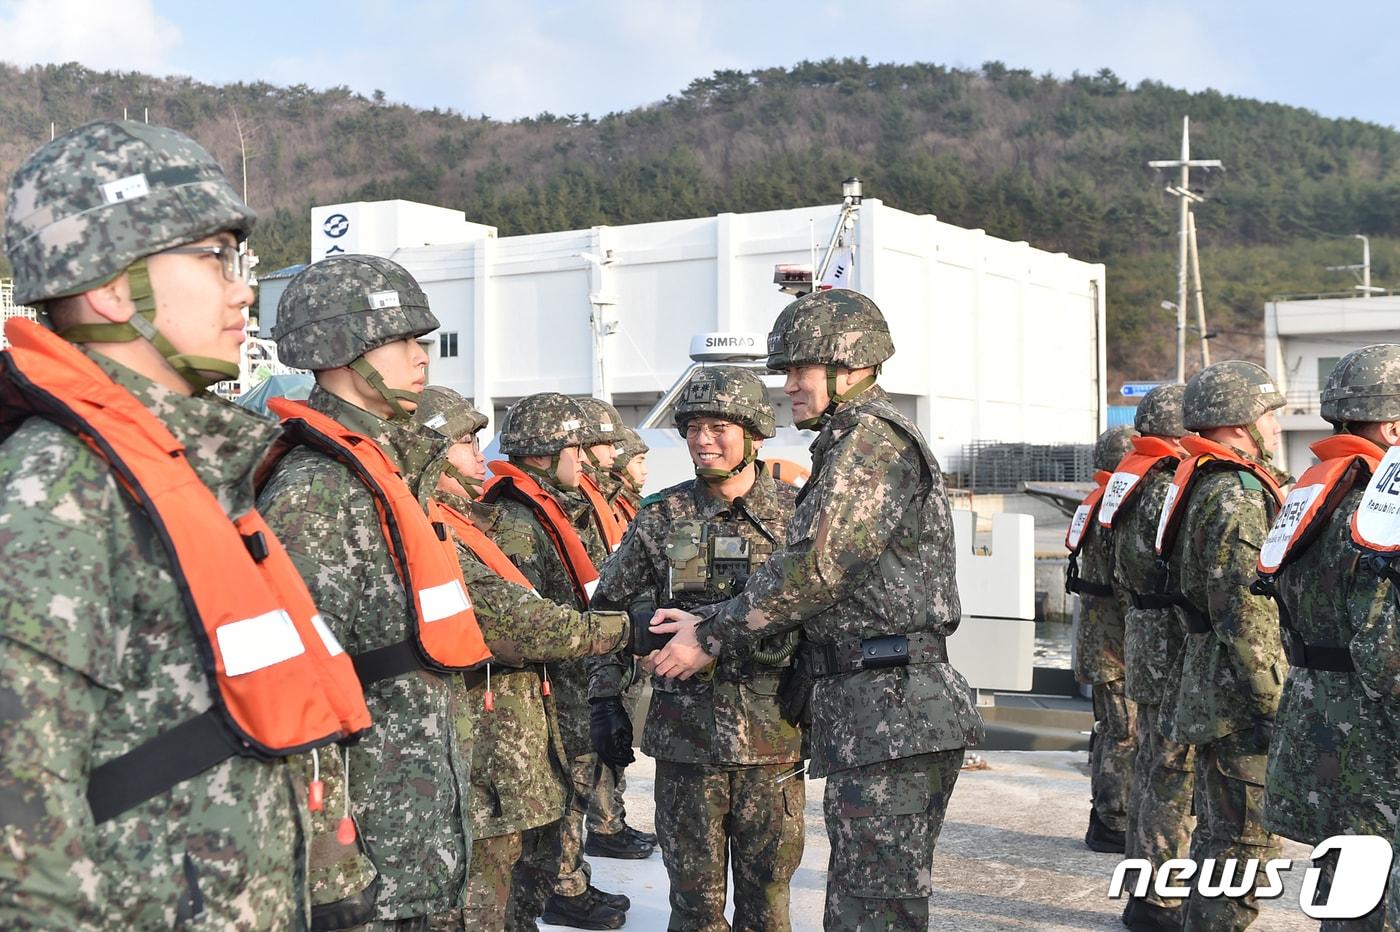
{"points": [[996, 340], [1303, 339]]}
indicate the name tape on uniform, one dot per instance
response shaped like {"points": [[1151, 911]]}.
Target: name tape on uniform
{"points": [[1077, 525], [1378, 515]]}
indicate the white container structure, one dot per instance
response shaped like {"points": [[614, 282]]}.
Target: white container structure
{"points": [[996, 340]]}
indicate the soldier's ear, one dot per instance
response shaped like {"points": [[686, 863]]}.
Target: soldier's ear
{"points": [[112, 301]]}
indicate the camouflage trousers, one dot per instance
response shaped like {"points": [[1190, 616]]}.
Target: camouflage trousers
{"points": [[1115, 748], [489, 882], [607, 814], [1380, 919], [1159, 807], [882, 821], [1229, 824], [534, 876], [442, 922], [710, 819]]}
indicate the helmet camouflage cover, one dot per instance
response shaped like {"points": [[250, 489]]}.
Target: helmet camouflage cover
{"points": [[1112, 445], [731, 392], [1364, 386], [336, 310], [601, 422], [449, 413], [1233, 393], [88, 204], [1159, 414], [835, 327], [542, 425], [632, 445]]}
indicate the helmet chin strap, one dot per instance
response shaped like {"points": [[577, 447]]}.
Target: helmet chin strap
{"points": [[391, 396], [550, 475], [473, 486], [1266, 455], [835, 398], [710, 474], [198, 372]]}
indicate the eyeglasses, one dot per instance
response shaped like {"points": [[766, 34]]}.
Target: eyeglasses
{"points": [[237, 262], [715, 430]]}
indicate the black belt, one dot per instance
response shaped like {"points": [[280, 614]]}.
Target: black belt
{"points": [[1197, 621], [1084, 587], [157, 765], [878, 653], [1151, 600], [385, 663], [1317, 656]]}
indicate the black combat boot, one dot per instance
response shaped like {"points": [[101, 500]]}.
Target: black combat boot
{"points": [[1142, 916], [1101, 838], [617, 901], [584, 911], [628, 844]]}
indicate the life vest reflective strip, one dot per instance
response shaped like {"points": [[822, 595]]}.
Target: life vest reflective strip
{"points": [[1345, 461], [1375, 525], [483, 547], [1147, 453], [445, 634], [1203, 456], [509, 480], [1084, 514], [279, 679], [609, 526]]}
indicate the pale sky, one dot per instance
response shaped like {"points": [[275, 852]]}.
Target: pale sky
{"points": [[519, 58]]}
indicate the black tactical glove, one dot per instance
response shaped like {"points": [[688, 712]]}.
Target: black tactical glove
{"points": [[795, 691], [642, 641], [611, 731]]}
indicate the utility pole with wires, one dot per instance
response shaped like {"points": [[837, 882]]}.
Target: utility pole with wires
{"points": [[1183, 193]]}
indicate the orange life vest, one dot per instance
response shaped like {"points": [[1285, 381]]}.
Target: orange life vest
{"points": [[279, 679], [483, 547], [1375, 525], [625, 509], [446, 636], [1203, 456], [609, 525], [510, 480], [1127, 478], [1345, 460], [789, 472]]}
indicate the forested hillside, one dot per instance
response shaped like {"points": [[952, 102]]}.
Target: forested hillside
{"points": [[1057, 162]]}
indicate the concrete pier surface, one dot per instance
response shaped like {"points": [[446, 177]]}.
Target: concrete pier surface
{"points": [[1011, 856]]}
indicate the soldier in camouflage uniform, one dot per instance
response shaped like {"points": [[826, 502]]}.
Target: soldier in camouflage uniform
{"points": [[630, 468], [543, 435], [354, 321], [1335, 755], [519, 782], [725, 758], [114, 222], [1159, 805], [609, 835], [1099, 661], [868, 576], [1232, 666]]}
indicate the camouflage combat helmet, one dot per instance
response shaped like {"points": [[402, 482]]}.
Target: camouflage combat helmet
{"points": [[834, 328], [632, 445], [1112, 445], [336, 310], [444, 411], [731, 392], [1160, 413], [449, 413], [1364, 386], [542, 425], [97, 201], [601, 425], [1233, 393]]}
